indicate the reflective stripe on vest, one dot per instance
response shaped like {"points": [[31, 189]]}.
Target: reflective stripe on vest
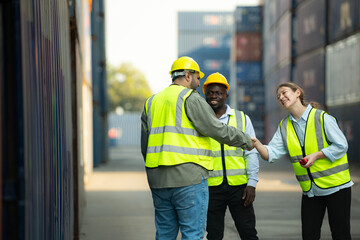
{"points": [[324, 173], [235, 164], [172, 138]]}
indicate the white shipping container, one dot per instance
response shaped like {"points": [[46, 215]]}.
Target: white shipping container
{"points": [[343, 72]]}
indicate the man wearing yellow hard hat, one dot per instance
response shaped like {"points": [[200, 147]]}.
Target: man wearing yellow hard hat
{"points": [[176, 127], [233, 181]]}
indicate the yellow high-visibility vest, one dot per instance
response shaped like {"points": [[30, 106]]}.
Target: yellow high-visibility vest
{"points": [[324, 173], [173, 140], [235, 165]]}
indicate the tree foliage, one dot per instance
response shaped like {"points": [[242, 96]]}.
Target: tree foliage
{"points": [[127, 88]]}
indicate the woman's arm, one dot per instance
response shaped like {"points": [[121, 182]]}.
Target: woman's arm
{"points": [[260, 148]]}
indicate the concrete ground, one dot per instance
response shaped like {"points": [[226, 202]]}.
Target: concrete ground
{"points": [[119, 203]]}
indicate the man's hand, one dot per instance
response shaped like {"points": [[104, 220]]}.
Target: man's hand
{"points": [[249, 195]]}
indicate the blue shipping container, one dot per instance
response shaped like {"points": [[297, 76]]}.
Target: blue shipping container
{"points": [[248, 72], [310, 31], [251, 98], [248, 19]]}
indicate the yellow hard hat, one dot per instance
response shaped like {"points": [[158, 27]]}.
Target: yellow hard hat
{"points": [[216, 78], [186, 63]]}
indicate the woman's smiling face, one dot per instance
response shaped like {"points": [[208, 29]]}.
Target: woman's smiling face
{"points": [[287, 97]]}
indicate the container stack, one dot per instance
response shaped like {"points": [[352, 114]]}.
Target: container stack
{"points": [[246, 63], [278, 55], [342, 83], [311, 39], [206, 37]]}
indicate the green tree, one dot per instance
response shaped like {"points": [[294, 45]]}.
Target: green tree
{"points": [[127, 88]]}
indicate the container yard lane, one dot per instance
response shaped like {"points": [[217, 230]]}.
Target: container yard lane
{"points": [[119, 203]]}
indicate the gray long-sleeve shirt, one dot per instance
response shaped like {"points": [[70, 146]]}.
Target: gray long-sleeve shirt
{"points": [[205, 121]]}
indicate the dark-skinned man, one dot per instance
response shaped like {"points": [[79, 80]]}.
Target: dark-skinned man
{"points": [[232, 183]]}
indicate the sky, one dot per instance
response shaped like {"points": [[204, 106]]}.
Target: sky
{"points": [[144, 33]]}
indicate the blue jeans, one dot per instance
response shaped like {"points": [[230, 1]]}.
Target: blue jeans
{"points": [[181, 207]]}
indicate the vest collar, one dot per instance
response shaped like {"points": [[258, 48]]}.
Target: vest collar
{"points": [[229, 112], [305, 115]]}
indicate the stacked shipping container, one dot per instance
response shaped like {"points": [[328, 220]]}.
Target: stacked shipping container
{"points": [[278, 53], [206, 37], [246, 61]]}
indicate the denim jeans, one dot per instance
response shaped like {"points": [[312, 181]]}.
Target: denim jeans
{"points": [[183, 208]]}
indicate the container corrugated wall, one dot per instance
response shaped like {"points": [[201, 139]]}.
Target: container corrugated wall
{"points": [[310, 75], [344, 20], [124, 129], [343, 72], [47, 119], [311, 26], [98, 58]]}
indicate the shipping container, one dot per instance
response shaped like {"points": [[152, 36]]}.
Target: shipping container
{"points": [[270, 52], [281, 75], [258, 122], [125, 129], [348, 117], [310, 75], [270, 7], [272, 121], [206, 43], [248, 72], [343, 18], [310, 26], [284, 40], [251, 98], [248, 19], [100, 108], [47, 121], [283, 6], [343, 71], [248, 47], [205, 21]]}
